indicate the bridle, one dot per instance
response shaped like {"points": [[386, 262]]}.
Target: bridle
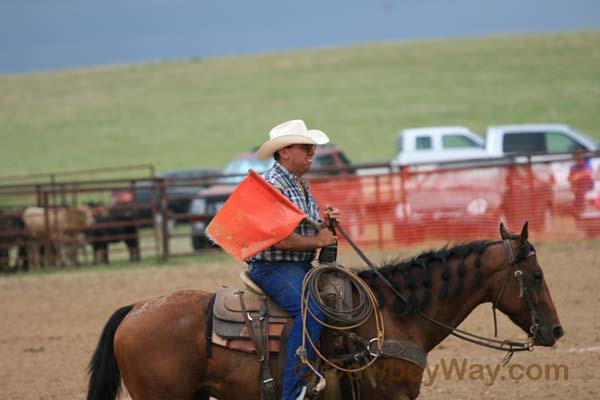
{"points": [[496, 344], [523, 290]]}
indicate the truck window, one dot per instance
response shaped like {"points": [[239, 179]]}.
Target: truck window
{"points": [[458, 141], [423, 143], [524, 142], [557, 142], [324, 160]]}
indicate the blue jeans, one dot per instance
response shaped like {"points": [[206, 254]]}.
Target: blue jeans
{"points": [[282, 281]]}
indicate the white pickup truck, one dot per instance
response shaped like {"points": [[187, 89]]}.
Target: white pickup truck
{"points": [[431, 146], [537, 138], [438, 144]]}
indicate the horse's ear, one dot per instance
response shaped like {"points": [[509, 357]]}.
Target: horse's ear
{"points": [[525, 232], [504, 234]]}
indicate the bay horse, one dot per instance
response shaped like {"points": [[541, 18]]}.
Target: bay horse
{"points": [[159, 347]]}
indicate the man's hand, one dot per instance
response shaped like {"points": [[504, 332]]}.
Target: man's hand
{"points": [[325, 237], [331, 213]]}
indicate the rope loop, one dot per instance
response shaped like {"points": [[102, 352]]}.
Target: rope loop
{"points": [[344, 320]]}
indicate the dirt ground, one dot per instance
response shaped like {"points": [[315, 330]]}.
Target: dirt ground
{"points": [[50, 323]]}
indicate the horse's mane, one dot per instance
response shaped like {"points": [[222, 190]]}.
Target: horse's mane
{"points": [[427, 263]]}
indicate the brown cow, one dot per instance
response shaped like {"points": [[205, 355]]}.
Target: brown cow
{"points": [[65, 231]]}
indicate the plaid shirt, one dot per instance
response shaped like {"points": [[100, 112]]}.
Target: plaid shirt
{"points": [[285, 181]]}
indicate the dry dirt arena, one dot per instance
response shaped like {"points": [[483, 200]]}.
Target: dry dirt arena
{"points": [[50, 324]]}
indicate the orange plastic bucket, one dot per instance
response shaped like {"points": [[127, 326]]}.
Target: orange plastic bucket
{"points": [[254, 217]]}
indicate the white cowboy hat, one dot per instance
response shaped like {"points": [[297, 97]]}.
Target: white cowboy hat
{"points": [[287, 133]]}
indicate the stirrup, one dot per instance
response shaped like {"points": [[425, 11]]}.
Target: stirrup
{"points": [[312, 392], [302, 393]]}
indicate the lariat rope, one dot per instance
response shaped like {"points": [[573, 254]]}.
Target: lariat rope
{"points": [[345, 321]]}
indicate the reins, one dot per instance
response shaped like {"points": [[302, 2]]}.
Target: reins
{"points": [[503, 345]]}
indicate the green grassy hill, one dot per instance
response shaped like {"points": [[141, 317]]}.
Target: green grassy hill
{"points": [[201, 112]]}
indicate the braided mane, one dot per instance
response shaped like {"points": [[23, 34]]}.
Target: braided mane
{"points": [[407, 276]]}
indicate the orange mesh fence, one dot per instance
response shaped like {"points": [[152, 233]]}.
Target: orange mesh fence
{"points": [[411, 207]]}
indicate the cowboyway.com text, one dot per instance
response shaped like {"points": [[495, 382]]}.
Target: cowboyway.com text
{"points": [[489, 374], [464, 370]]}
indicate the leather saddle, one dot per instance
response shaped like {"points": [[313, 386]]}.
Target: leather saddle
{"points": [[230, 322], [230, 329]]}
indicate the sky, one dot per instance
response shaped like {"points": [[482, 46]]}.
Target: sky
{"points": [[43, 35]]}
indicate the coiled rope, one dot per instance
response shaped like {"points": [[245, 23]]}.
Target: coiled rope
{"points": [[340, 320]]}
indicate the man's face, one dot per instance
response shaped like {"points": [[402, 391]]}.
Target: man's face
{"points": [[298, 158]]}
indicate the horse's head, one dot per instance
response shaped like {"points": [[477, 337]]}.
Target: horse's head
{"points": [[522, 293]]}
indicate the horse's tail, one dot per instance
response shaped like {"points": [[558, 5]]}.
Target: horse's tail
{"points": [[105, 378]]}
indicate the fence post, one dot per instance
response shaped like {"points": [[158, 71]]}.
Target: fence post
{"points": [[403, 197], [164, 211], [531, 201], [153, 203], [38, 195], [48, 243], [63, 194], [74, 193], [58, 242], [379, 219], [53, 189]]}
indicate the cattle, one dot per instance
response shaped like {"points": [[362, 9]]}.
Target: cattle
{"points": [[62, 227], [12, 233], [110, 227]]}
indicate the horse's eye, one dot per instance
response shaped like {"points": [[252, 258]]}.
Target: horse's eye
{"points": [[538, 275]]}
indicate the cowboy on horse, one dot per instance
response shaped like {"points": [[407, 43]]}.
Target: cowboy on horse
{"points": [[280, 269], [162, 347]]}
